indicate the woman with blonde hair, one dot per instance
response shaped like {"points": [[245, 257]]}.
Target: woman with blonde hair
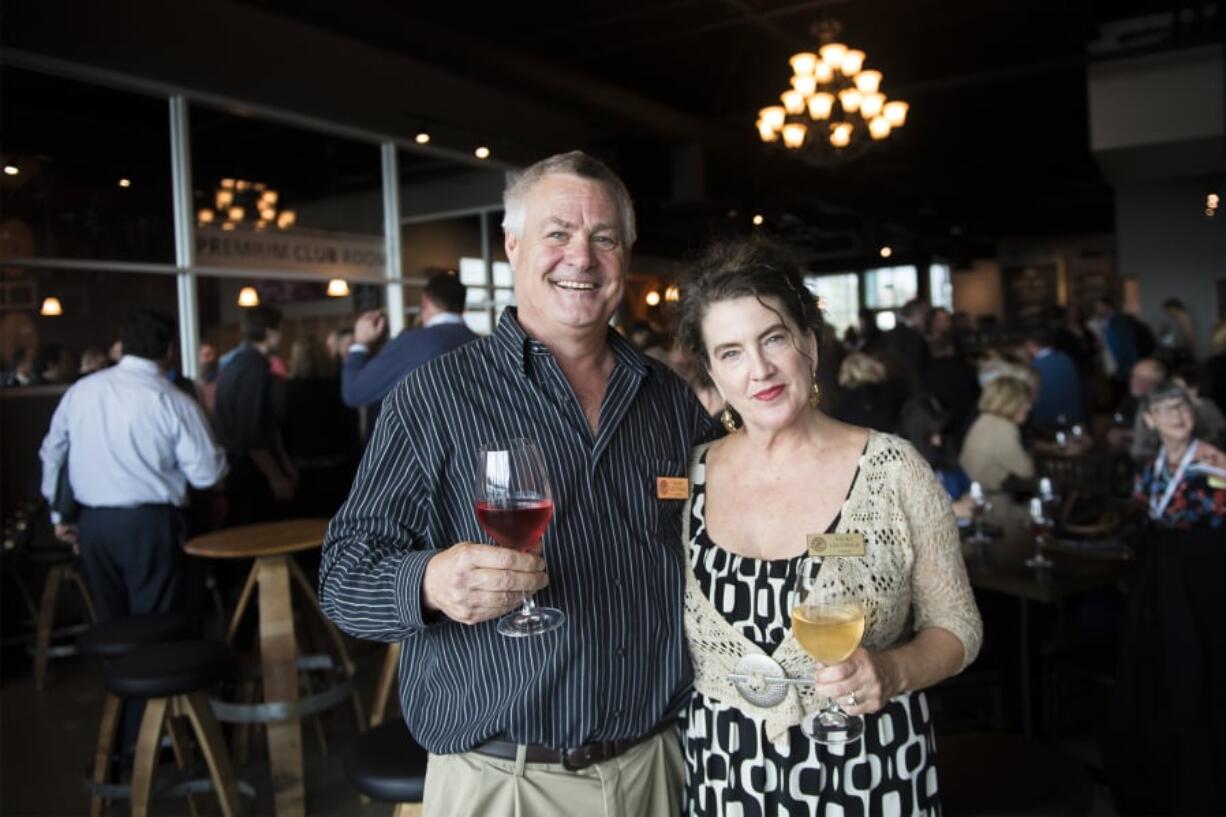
{"points": [[993, 450], [867, 396]]}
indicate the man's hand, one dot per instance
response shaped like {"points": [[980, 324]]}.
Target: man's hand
{"points": [[471, 583], [370, 327], [67, 534]]}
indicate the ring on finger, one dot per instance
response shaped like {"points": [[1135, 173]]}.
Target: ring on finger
{"points": [[851, 699]]}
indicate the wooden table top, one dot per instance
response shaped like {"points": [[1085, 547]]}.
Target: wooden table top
{"points": [[266, 539], [1000, 567]]}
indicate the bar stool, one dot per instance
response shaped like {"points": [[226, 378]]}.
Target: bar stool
{"points": [[106, 642], [387, 765], [62, 567], [174, 679]]}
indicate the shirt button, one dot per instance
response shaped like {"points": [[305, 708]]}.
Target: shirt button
{"points": [[617, 583], [621, 652]]}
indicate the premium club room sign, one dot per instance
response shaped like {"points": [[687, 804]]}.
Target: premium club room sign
{"points": [[328, 255]]}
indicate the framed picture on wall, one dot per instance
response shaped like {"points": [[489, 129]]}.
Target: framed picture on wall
{"points": [[1029, 292]]}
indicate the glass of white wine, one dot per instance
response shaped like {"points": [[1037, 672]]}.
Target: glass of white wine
{"points": [[828, 621]]}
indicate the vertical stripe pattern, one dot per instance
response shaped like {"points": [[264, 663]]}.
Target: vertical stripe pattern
{"points": [[619, 663]]}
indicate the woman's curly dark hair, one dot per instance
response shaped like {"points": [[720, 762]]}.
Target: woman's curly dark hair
{"points": [[756, 268]]}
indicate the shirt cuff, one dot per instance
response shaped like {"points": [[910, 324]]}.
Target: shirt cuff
{"points": [[56, 518], [359, 347], [408, 590]]}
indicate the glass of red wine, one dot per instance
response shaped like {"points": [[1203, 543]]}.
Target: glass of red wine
{"points": [[514, 505]]}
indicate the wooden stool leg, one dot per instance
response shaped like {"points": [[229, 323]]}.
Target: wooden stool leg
{"points": [[213, 747], [181, 746], [337, 641], [244, 598], [407, 810], [148, 747], [112, 705], [74, 575], [279, 660], [383, 688], [46, 618]]}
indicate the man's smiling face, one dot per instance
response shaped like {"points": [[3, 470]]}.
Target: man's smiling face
{"points": [[570, 262]]}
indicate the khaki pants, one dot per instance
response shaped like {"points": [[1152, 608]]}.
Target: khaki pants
{"points": [[644, 781]]}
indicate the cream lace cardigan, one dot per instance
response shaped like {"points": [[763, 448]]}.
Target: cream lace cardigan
{"points": [[912, 577]]}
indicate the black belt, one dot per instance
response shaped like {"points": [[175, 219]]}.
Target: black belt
{"points": [[579, 757]]}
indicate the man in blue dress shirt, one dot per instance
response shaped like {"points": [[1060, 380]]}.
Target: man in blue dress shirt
{"points": [[132, 442], [1059, 399], [366, 380]]}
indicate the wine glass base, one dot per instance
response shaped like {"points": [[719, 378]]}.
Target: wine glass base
{"points": [[1039, 561], [834, 733], [540, 621]]}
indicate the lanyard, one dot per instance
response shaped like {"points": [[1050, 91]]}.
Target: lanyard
{"points": [[1158, 506]]}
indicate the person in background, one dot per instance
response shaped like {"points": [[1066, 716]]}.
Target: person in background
{"points": [[992, 451], [56, 364], [1147, 373], [906, 345], [402, 560], [1215, 367], [785, 471], [366, 379], [337, 343], [867, 396], [92, 360], [1143, 442], [953, 381], [320, 432], [132, 443], [1058, 401], [246, 419], [207, 367], [1210, 423], [1167, 745], [1177, 335], [1119, 343], [940, 326], [925, 423]]}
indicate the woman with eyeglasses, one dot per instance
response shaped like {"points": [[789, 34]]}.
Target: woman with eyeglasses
{"points": [[1168, 750]]}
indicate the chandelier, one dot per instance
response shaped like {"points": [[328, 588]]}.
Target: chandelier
{"points": [[247, 205], [835, 107]]}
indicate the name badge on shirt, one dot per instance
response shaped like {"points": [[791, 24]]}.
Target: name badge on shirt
{"points": [[1217, 483], [672, 488], [836, 544]]}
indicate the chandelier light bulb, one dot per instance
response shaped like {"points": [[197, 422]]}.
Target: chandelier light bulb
{"points": [[236, 214], [803, 63], [868, 82], [895, 112], [652, 298], [51, 308], [1212, 201], [879, 127], [853, 61], [804, 84], [205, 216], [833, 54], [224, 199], [773, 116], [794, 135], [871, 104], [850, 99], [820, 105], [286, 219], [338, 288], [793, 101], [765, 132], [823, 73], [227, 184], [840, 134], [248, 297], [758, 220], [269, 197], [672, 294]]}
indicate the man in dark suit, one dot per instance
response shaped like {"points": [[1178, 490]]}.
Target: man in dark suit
{"points": [[367, 379], [907, 346]]}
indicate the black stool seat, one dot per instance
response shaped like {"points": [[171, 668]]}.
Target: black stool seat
{"points": [[54, 555], [174, 668], [387, 765], [985, 773], [120, 636]]}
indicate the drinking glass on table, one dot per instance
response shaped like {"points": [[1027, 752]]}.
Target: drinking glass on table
{"points": [[514, 505], [828, 621], [1041, 526], [980, 506]]}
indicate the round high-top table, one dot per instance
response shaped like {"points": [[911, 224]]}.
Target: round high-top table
{"points": [[275, 572]]}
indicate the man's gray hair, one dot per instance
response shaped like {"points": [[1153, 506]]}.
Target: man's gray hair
{"points": [[1167, 390], [575, 163]]}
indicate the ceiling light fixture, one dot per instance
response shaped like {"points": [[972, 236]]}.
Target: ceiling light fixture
{"points": [[834, 108], [242, 204], [652, 298], [758, 219], [482, 152], [338, 288], [248, 297], [11, 170], [887, 251], [51, 308], [125, 182]]}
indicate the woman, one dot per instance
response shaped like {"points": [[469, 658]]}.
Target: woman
{"points": [[1169, 746], [868, 397], [992, 451], [925, 424], [786, 470]]}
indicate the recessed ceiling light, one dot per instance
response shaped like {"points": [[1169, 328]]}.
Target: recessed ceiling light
{"points": [[482, 152], [11, 170]]}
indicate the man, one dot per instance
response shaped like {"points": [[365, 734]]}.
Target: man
{"points": [[1119, 342], [132, 442], [246, 420], [1059, 395], [576, 721], [366, 380], [908, 348]]}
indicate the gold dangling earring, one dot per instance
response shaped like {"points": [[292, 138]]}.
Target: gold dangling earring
{"points": [[728, 420], [815, 397]]}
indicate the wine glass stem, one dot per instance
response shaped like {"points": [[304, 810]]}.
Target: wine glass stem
{"points": [[529, 608]]}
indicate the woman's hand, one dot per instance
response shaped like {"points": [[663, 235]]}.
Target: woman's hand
{"points": [[1210, 455], [862, 684]]}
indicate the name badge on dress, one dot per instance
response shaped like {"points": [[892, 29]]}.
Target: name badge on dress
{"points": [[836, 544], [672, 488]]}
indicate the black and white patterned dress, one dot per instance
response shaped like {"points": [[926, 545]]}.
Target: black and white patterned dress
{"points": [[733, 770]]}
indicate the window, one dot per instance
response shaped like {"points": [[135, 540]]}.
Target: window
{"points": [[940, 286], [838, 298], [890, 287]]}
